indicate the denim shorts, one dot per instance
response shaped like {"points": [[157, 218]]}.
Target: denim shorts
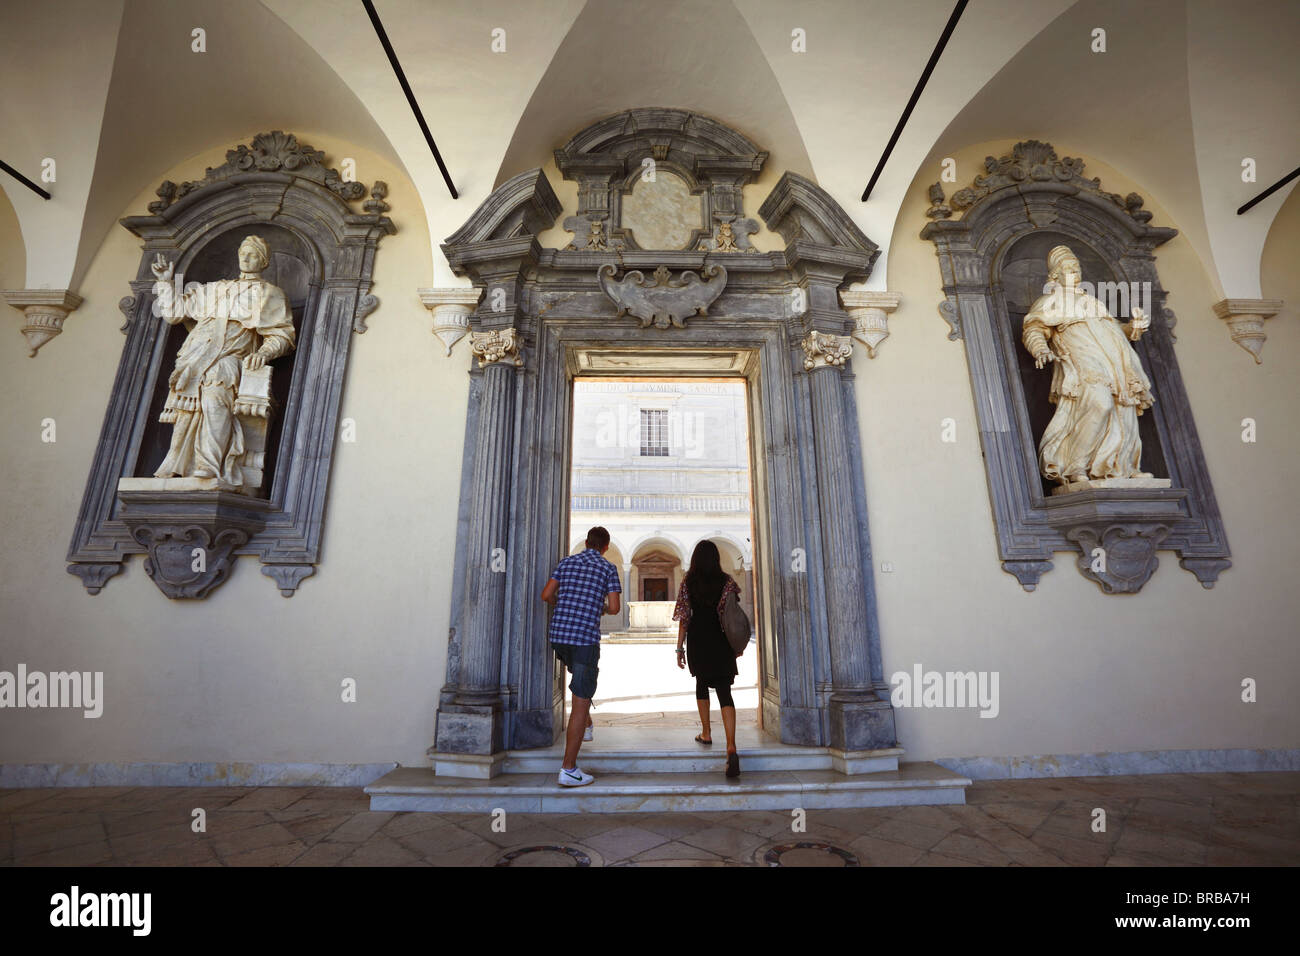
{"points": [[583, 661]]}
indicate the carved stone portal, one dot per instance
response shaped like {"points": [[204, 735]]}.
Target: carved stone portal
{"points": [[825, 684], [664, 302]]}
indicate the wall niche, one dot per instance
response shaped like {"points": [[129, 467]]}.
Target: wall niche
{"points": [[993, 265], [320, 253]]}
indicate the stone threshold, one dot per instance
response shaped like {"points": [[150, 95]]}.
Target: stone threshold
{"points": [[415, 789]]}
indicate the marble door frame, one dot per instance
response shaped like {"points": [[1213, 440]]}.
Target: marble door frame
{"points": [[546, 315]]}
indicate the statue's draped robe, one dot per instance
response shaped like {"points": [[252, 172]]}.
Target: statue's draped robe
{"points": [[1098, 387], [232, 319]]}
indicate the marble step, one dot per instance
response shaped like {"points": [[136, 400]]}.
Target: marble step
{"points": [[702, 760], [418, 789]]}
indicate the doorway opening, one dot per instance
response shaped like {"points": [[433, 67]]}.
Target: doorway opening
{"points": [[662, 464]]}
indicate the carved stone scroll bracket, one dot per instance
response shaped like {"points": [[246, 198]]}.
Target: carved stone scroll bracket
{"points": [[94, 576], [288, 576], [870, 312], [191, 536], [664, 302], [43, 313], [822, 350], [948, 312], [365, 305], [1245, 318], [1117, 532], [126, 305], [497, 345], [451, 310]]}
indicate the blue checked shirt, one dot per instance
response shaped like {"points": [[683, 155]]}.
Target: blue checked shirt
{"points": [[584, 579]]}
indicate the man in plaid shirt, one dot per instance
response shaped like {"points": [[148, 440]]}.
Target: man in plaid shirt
{"points": [[581, 588]]}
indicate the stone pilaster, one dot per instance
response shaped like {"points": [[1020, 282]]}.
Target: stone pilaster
{"points": [[858, 719], [43, 312], [473, 722]]}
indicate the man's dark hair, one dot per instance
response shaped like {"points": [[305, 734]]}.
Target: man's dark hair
{"points": [[597, 538]]}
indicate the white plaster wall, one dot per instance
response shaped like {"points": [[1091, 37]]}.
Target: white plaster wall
{"points": [[1081, 671], [249, 676], [244, 675]]}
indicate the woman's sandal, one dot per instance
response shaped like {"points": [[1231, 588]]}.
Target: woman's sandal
{"points": [[699, 739], [733, 765]]}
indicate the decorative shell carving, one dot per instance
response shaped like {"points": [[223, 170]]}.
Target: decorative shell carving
{"points": [[664, 302]]}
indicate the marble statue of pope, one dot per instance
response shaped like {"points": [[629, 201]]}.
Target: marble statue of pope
{"points": [[238, 324], [1098, 385]]}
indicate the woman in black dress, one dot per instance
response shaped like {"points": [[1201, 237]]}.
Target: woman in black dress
{"points": [[707, 652]]}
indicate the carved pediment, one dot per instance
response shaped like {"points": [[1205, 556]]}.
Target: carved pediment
{"points": [[664, 301], [798, 208], [271, 152], [523, 205], [1030, 162]]}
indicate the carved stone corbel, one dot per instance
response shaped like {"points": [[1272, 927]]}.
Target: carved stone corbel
{"points": [[191, 537], [870, 312], [451, 310], [497, 345], [822, 349], [948, 312], [1117, 532], [1245, 318], [1119, 557], [44, 311]]}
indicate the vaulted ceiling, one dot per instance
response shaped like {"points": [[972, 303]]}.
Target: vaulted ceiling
{"points": [[1185, 91]]}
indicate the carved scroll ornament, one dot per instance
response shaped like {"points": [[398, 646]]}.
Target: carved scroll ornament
{"points": [[663, 302]]}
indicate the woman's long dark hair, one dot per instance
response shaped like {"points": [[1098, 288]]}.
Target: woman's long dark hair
{"points": [[704, 578]]}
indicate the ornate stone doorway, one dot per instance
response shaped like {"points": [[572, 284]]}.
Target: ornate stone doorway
{"points": [[719, 308]]}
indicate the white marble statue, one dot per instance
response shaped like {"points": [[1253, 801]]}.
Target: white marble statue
{"points": [[1098, 385], [238, 326]]}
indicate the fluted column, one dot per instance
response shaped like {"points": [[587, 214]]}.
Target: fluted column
{"points": [[472, 722], [858, 719]]}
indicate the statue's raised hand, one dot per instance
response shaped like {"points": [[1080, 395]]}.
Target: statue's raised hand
{"points": [[161, 268], [1141, 322]]}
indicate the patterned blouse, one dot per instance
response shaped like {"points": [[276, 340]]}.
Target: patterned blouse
{"points": [[682, 612]]}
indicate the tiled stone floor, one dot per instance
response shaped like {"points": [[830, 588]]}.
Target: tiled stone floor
{"points": [[1167, 820]]}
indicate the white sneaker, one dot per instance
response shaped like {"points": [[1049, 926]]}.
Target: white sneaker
{"points": [[586, 734], [574, 777]]}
